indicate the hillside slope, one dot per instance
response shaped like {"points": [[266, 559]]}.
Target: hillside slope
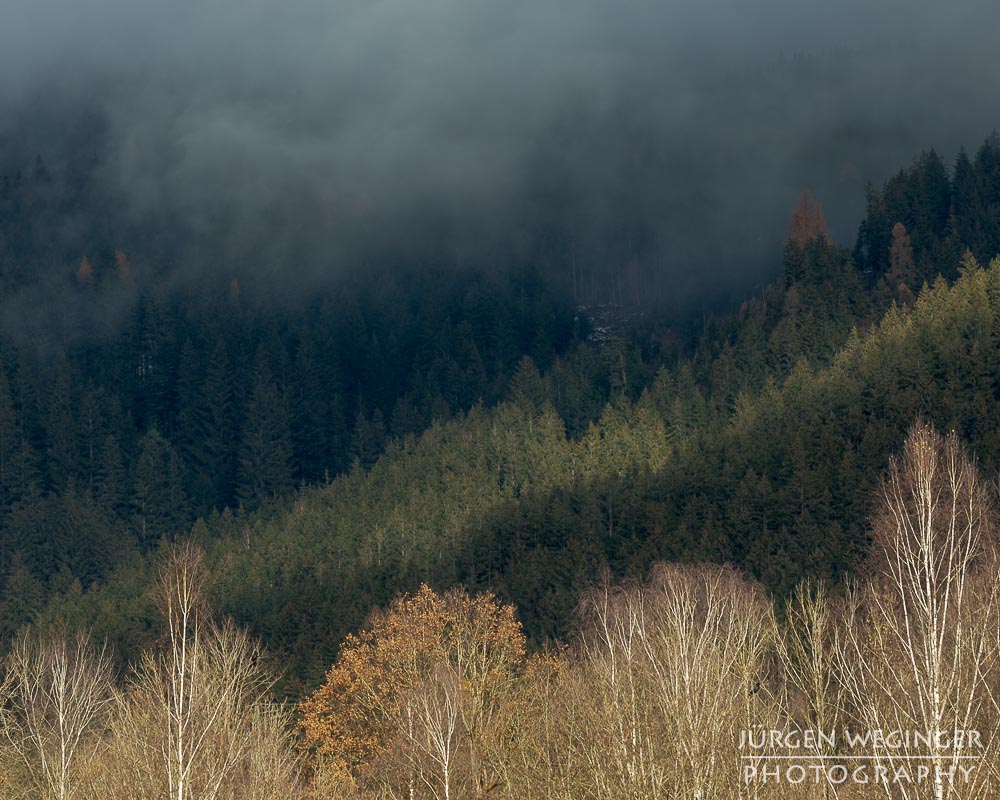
{"points": [[505, 499]]}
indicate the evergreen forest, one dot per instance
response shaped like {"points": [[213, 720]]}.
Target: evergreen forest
{"points": [[431, 530]]}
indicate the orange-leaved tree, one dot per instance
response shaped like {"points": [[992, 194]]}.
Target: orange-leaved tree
{"points": [[418, 702], [807, 223]]}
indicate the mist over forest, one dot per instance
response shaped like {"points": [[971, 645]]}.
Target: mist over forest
{"points": [[662, 142], [539, 399]]}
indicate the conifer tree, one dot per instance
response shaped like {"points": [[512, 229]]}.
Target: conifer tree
{"points": [[987, 167], [60, 429], [26, 485], [189, 387], [8, 443], [209, 444], [970, 208], [110, 483], [311, 435], [368, 437], [902, 269], [807, 223], [265, 455], [526, 386], [158, 502]]}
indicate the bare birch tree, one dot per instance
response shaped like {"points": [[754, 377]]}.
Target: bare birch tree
{"points": [[436, 737], [678, 667], [54, 694], [194, 723], [621, 743], [808, 656], [921, 638], [553, 705]]}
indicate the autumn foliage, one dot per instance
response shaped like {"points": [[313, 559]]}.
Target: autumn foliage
{"points": [[807, 223], [418, 696], [85, 273], [436, 698], [902, 276]]}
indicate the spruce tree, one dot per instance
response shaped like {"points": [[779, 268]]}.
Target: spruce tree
{"points": [[158, 502], [61, 457], [9, 439], [311, 436], [110, 483], [265, 455], [209, 445]]}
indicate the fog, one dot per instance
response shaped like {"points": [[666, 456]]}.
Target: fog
{"points": [[301, 140]]}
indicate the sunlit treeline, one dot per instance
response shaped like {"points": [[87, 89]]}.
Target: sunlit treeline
{"points": [[193, 719], [691, 684]]}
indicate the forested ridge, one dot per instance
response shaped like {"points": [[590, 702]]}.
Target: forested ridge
{"points": [[755, 441], [450, 427]]}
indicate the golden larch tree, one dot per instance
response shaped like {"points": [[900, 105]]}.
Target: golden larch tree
{"points": [[807, 223]]}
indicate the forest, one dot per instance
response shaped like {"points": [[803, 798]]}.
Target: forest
{"points": [[657, 693], [452, 529]]}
